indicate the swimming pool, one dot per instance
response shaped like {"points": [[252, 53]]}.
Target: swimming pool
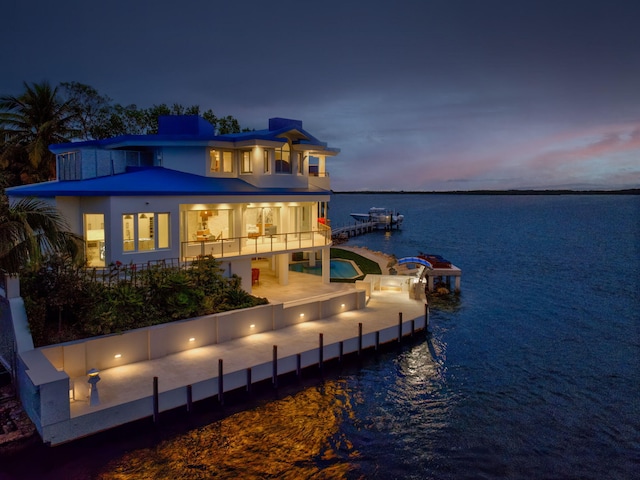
{"points": [[339, 268]]}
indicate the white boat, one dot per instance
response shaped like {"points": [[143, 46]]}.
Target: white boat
{"points": [[383, 217]]}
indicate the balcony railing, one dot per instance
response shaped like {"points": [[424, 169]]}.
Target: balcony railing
{"points": [[257, 244]]}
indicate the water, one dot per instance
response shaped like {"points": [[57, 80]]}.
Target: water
{"points": [[339, 269], [534, 373]]}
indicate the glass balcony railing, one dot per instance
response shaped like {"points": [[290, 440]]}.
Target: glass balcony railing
{"points": [[256, 245]]}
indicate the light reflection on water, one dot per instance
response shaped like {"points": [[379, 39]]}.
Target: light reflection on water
{"points": [[295, 437]]}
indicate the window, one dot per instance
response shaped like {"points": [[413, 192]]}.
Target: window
{"points": [[283, 159], [145, 231], [208, 225], [94, 239], [69, 166], [266, 162], [247, 163], [221, 161]]}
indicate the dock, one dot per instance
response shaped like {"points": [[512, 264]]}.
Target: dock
{"points": [[352, 230], [145, 372]]}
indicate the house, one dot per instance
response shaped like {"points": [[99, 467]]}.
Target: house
{"points": [[187, 192]]}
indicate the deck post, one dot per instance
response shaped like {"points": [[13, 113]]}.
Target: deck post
{"points": [[360, 339], [426, 318], [321, 351], [275, 367], [220, 383], [399, 327], [189, 398], [156, 403]]}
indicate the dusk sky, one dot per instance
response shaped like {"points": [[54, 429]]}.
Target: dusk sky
{"points": [[426, 95]]}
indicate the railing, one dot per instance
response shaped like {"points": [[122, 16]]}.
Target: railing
{"points": [[257, 244]]}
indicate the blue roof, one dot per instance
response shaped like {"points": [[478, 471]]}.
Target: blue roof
{"points": [[153, 181], [194, 130]]}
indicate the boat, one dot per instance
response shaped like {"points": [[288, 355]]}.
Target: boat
{"points": [[383, 217]]}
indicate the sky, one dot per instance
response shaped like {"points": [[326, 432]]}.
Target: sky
{"points": [[419, 95]]}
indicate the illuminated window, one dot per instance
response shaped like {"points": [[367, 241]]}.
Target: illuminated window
{"points": [[221, 161], [266, 161], [247, 164], [145, 231]]}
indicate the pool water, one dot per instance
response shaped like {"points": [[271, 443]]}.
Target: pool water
{"points": [[339, 269]]}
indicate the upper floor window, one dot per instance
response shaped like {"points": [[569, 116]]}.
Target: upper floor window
{"points": [[283, 159], [247, 162], [221, 161], [266, 162], [69, 167]]}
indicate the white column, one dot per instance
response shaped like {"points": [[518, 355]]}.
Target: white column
{"points": [[326, 266], [283, 269]]}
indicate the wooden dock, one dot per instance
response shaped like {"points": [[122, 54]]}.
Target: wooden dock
{"points": [[357, 228]]}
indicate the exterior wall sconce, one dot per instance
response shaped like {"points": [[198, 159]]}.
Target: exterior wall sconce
{"points": [[192, 339], [301, 315], [252, 326], [117, 355], [342, 305]]}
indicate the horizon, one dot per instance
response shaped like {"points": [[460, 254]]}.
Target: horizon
{"points": [[428, 96]]}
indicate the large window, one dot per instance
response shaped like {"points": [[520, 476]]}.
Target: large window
{"points": [[94, 239], [283, 159], [209, 225], [261, 221], [145, 231], [221, 161]]}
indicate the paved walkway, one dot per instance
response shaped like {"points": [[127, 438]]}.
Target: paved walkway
{"points": [[130, 382]]}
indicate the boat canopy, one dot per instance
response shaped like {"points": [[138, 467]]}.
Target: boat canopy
{"points": [[419, 260]]}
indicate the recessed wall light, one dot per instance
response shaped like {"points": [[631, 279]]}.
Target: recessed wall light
{"points": [[117, 355], [192, 339], [252, 326]]}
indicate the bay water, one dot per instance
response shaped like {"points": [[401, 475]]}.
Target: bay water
{"points": [[533, 371]]}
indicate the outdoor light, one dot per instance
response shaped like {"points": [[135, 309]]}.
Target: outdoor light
{"points": [[301, 315], [117, 355], [94, 378], [192, 339], [252, 326], [342, 305]]}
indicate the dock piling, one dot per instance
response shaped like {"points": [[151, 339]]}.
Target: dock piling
{"points": [[156, 402], [220, 383], [275, 367]]}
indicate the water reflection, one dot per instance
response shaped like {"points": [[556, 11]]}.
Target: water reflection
{"points": [[296, 437]]}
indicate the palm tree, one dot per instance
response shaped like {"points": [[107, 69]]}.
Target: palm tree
{"points": [[30, 230], [34, 120]]}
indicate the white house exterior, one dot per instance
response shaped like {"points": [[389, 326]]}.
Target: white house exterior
{"points": [[187, 192]]}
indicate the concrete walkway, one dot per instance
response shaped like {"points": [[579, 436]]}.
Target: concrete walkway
{"points": [[127, 383]]}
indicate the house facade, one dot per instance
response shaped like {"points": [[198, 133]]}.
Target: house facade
{"points": [[186, 192]]}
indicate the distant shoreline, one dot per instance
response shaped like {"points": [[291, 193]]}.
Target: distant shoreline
{"points": [[628, 191]]}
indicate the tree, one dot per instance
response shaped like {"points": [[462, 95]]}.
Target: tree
{"points": [[31, 230], [91, 109], [34, 120]]}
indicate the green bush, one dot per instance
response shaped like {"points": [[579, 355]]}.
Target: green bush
{"points": [[65, 303]]}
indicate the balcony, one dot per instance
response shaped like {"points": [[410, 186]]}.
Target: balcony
{"points": [[257, 244]]}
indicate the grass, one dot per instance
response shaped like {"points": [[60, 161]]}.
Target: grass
{"points": [[366, 265]]}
